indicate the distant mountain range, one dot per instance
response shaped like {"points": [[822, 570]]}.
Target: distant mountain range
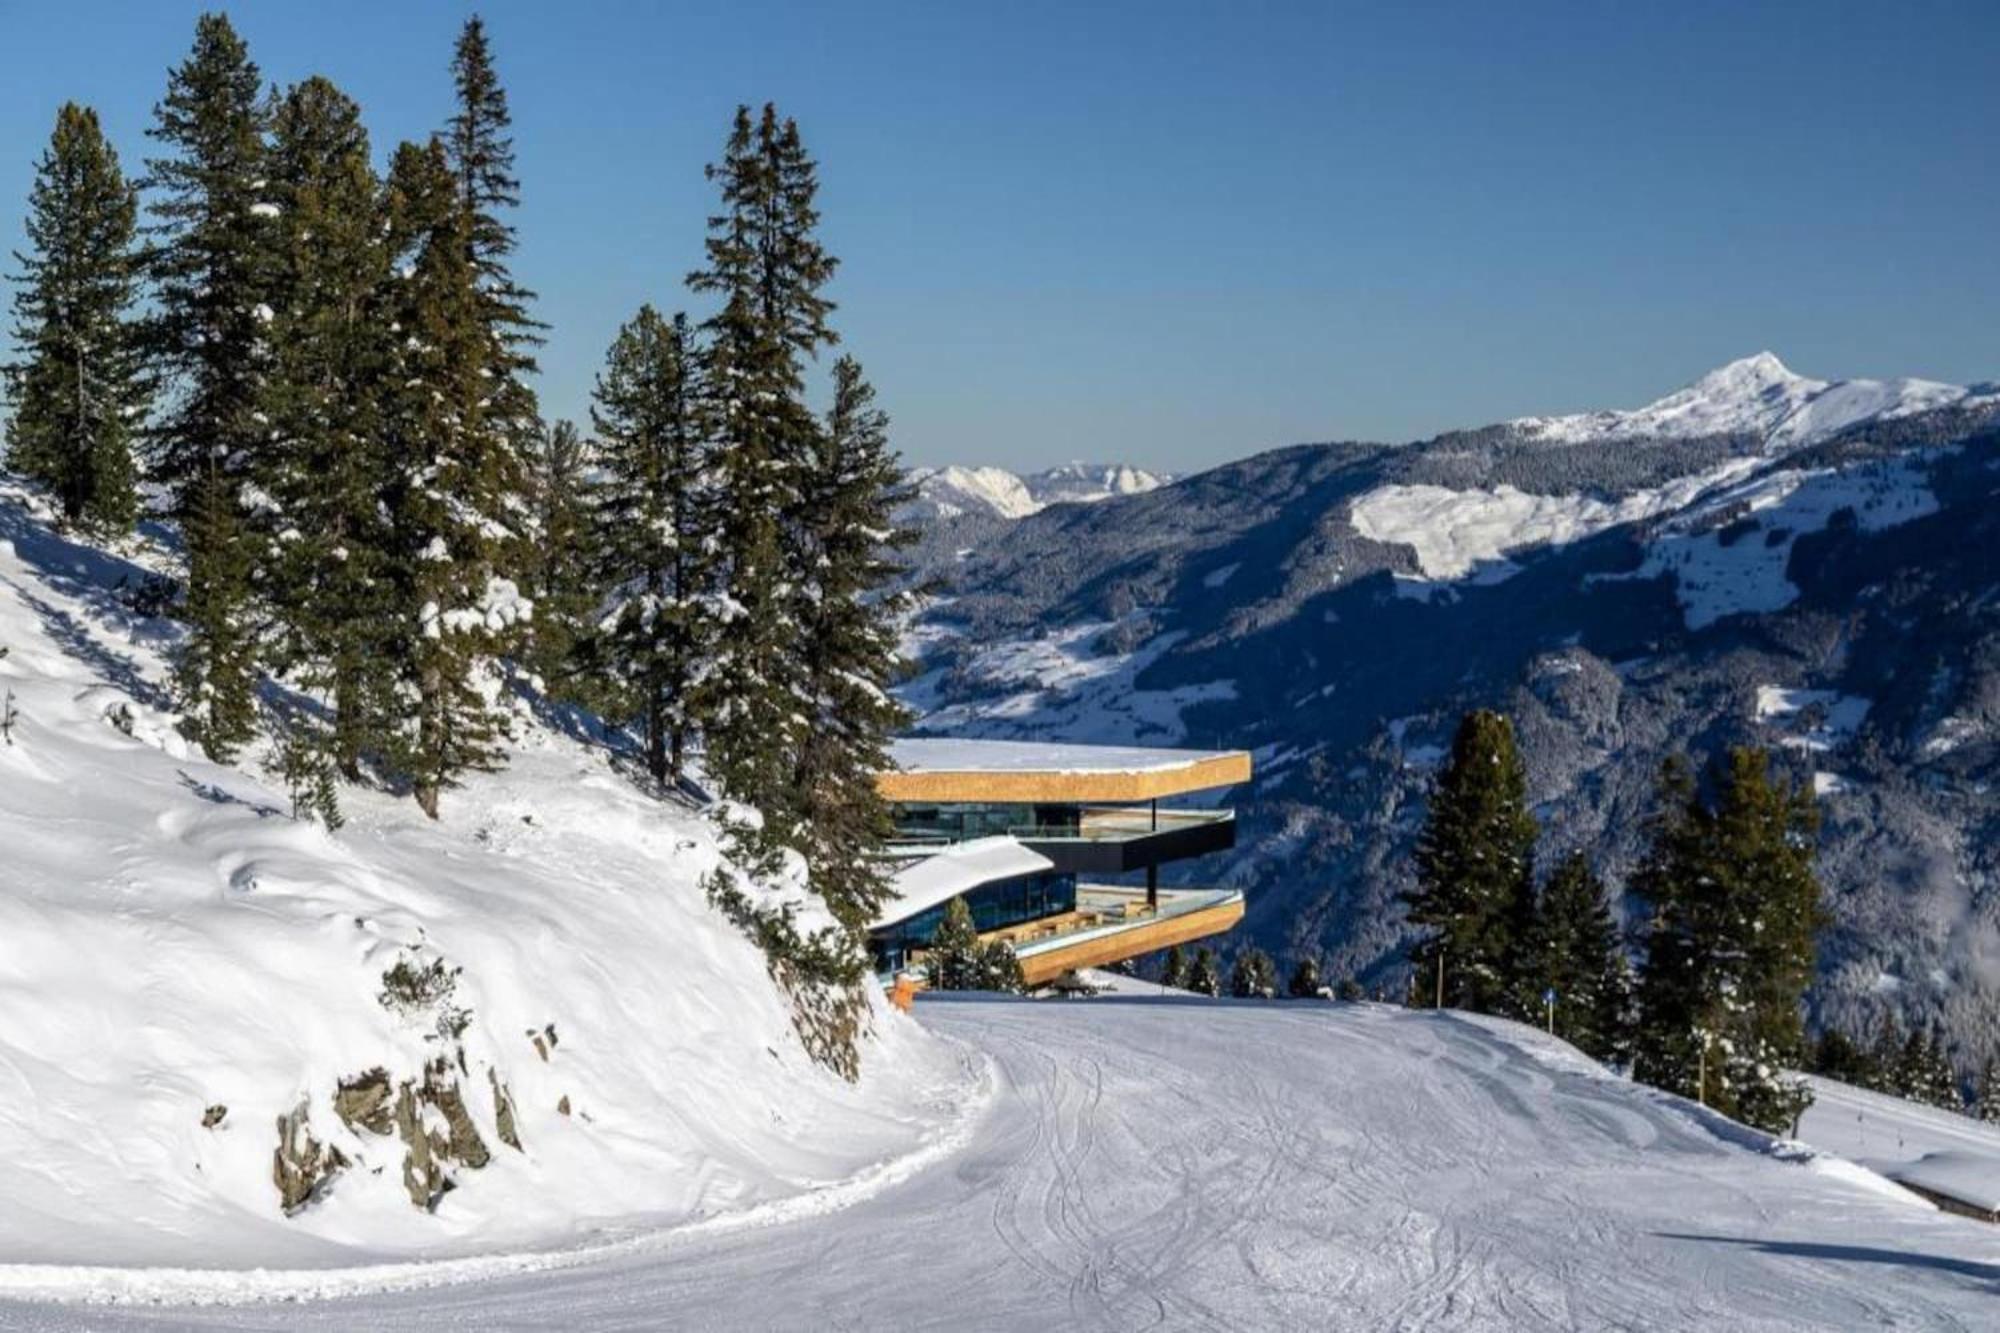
{"points": [[991, 492], [1758, 557]]}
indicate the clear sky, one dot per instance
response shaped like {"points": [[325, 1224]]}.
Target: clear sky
{"points": [[1178, 233]]}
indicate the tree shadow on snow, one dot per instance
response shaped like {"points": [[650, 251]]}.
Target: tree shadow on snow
{"points": [[1987, 1275]]}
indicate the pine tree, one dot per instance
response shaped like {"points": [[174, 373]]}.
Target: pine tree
{"points": [[1575, 950], [951, 960], [563, 581], [1475, 868], [1924, 1073], [332, 576], [1204, 977], [1174, 969], [453, 498], [1836, 1056], [1253, 977], [1305, 983], [1732, 943], [1885, 1057], [653, 522], [767, 270], [481, 150], [79, 391], [210, 273], [847, 647], [957, 960], [1986, 1106]]}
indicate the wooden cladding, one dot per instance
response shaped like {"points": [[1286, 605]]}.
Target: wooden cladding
{"points": [[1027, 786]]}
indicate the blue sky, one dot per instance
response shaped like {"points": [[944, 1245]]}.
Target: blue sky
{"points": [[1179, 233]]}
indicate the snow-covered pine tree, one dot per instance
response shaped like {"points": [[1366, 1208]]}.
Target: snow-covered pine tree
{"points": [[767, 268], [1924, 1072], [1253, 976], [1732, 942], [1204, 976], [454, 494], [1174, 968], [1986, 1105], [480, 146], [79, 390], [1475, 871], [1305, 982], [844, 539], [653, 519], [1885, 1055], [1576, 950], [209, 265], [331, 578], [562, 579]]}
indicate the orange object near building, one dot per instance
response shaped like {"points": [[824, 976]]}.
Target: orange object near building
{"points": [[903, 994]]}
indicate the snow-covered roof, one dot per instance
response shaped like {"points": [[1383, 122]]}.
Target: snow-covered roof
{"points": [[958, 869], [1970, 1178], [949, 768], [952, 754]]}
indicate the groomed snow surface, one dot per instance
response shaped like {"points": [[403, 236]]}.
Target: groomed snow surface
{"points": [[171, 941], [1178, 1163]]}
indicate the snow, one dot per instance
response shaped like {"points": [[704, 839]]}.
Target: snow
{"points": [[1058, 683], [1215, 578], [1456, 533], [1925, 1145], [1184, 1163], [955, 754], [950, 492], [1758, 395], [170, 940], [956, 490], [955, 870], [1728, 555], [1833, 718]]}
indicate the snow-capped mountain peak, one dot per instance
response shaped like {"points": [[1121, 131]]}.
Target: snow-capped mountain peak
{"points": [[956, 491], [1758, 395]]}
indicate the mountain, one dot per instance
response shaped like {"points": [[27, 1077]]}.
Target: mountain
{"points": [[1760, 557], [954, 492]]}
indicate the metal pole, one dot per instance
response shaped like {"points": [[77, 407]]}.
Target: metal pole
{"points": [[1440, 998], [1701, 1072], [1552, 1015]]}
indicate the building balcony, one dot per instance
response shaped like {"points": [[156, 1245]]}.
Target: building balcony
{"points": [[1111, 924]]}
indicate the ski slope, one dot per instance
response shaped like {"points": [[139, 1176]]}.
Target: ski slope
{"points": [[1150, 1162]]}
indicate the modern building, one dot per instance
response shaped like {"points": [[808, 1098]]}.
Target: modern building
{"points": [[1057, 849]]}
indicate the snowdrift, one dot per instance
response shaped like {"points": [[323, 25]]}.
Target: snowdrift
{"points": [[183, 965]]}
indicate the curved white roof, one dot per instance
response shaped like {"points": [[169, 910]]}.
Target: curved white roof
{"points": [[957, 869]]}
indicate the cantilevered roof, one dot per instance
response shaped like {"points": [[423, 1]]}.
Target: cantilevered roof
{"points": [[934, 768], [957, 869]]}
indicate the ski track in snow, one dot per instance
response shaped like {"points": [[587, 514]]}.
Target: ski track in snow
{"points": [[1153, 1163]]}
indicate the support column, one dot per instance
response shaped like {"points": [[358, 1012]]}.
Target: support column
{"points": [[1153, 889]]}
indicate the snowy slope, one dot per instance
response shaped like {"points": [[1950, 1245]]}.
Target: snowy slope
{"points": [[171, 941], [1457, 532], [1154, 1163]]}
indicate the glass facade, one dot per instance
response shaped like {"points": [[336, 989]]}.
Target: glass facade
{"points": [[1006, 902], [963, 821]]}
